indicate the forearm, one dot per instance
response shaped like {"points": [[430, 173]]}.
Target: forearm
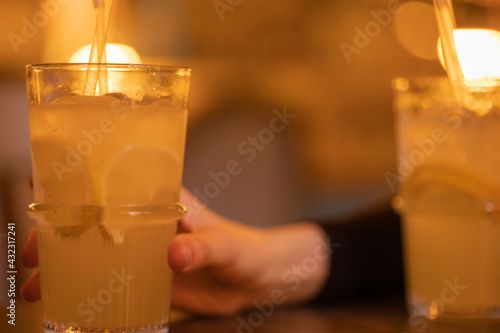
{"points": [[337, 260], [298, 258]]}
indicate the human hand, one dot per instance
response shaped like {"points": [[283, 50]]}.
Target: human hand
{"points": [[222, 267]]}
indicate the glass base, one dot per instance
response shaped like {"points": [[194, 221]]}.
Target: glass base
{"points": [[439, 311], [49, 328]]}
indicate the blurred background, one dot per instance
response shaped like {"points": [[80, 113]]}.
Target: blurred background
{"points": [[328, 64]]}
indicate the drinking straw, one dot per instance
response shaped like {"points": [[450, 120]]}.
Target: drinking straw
{"points": [[446, 24], [97, 73]]}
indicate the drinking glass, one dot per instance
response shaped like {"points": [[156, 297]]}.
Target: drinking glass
{"points": [[107, 169], [449, 197]]}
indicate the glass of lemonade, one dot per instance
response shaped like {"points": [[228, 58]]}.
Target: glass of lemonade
{"points": [[449, 198], [107, 173]]}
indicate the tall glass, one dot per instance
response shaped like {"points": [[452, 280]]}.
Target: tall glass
{"points": [[107, 171], [449, 198]]}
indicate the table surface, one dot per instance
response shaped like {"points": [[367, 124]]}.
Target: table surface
{"points": [[376, 315]]}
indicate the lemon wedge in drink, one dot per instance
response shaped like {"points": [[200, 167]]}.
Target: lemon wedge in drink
{"points": [[65, 196], [136, 179], [141, 176], [446, 188]]}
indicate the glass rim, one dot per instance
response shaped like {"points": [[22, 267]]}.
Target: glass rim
{"points": [[121, 66]]}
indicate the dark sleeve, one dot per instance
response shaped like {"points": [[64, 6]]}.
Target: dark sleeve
{"points": [[366, 258]]}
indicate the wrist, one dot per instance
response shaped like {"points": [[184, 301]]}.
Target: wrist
{"points": [[298, 260]]}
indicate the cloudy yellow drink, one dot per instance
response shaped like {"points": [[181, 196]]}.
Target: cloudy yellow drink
{"points": [[87, 281], [107, 174], [449, 199]]}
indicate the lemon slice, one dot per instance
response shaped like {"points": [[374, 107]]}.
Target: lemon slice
{"points": [[67, 191], [460, 180], [439, 187], [136, 177], [142, 176]]}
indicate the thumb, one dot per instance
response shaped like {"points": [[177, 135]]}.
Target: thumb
{"points": [[193, 251]]}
